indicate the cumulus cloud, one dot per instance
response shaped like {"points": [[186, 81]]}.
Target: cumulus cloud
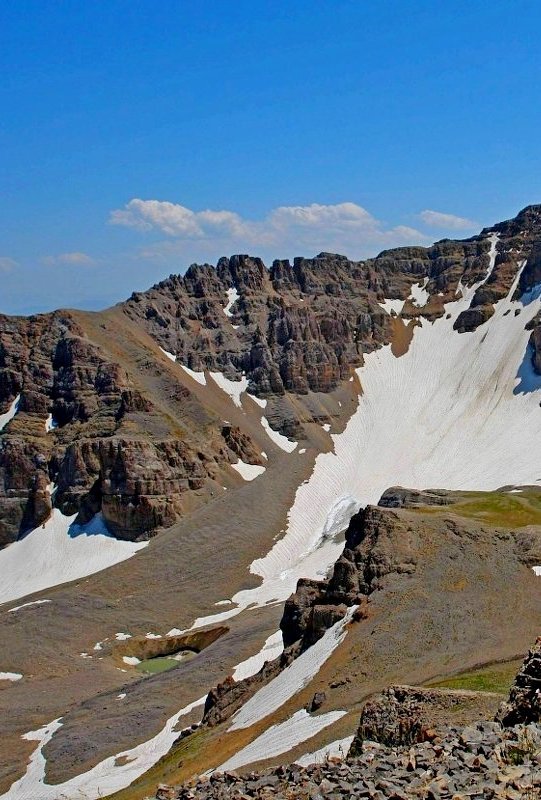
{"points": [[287, 230], [437, 219], [7, 264], [74, 259]]}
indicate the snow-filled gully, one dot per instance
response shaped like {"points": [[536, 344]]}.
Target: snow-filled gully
{"points": [[449, 413]]}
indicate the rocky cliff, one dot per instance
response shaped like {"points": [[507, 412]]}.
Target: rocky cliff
{"points": [[88, 423]]}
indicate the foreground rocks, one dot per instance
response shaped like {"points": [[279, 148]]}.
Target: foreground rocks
{"points": [[479, 762]]}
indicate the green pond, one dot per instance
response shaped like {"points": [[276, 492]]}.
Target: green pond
{"points": [[151, 666]]}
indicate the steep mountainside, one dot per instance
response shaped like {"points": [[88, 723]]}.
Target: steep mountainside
{"points": [[264, 423]]}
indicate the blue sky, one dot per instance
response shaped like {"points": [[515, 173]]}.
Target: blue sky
{"points": [[138, 137]]}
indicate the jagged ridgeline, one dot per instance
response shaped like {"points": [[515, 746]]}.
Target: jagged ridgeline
{"points": [[97, 418]]}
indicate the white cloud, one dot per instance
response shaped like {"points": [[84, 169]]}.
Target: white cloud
{"points": [[75, 259], [287, 230], [436, 219], [7, 264]]}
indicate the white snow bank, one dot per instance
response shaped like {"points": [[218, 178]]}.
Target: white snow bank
{"points": [[10, 413], [197, 376], [131, 660], [419, 295], [272, 648], [281, 738], [292, 679], [537, 570], [392, 305], [121, 637], [151, 635], [169, 355], [248, 471], [336, 749], [233, 388], [27, 605], [57, 552], [259, 400], [278, 438], [105, 778], [10, 676], [232, 297]]}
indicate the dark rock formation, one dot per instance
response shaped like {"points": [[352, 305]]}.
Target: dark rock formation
{"points": [[401, 715], [399, 497], [524, 703], [378, 543]]}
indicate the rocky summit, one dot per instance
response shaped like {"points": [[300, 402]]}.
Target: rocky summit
{"points": [[275, 531]]}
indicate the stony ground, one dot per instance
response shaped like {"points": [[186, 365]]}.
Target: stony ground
{"points": [[478, 762]]}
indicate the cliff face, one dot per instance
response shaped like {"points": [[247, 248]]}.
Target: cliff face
{"points": [[302, 326], [87, 422]]}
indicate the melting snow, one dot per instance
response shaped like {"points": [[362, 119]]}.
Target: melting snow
{"points": [[232, 297], [338, 748], [392, 305], [169, 355], [197, 376], [57, 552], [292, 679], [10, 413], [248, 471], [105, 778], [10, 676], [281, 738], [278, 438], [259, 400], [272, 648], [326, 427], [27, 605], [153, 636], [121, 637], [233, 388], [419, 295], [50, 424], [132, 660]]}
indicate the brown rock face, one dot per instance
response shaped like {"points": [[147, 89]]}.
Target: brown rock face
{"points": [[99, 453], [296, 327], [378, 543]]}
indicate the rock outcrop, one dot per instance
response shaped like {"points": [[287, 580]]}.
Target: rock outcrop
{"points": [[378, 543], [524, 703]]}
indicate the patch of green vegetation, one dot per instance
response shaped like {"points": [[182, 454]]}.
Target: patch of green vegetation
{"points": [[151, 666], [501, 509], [495, 678]]}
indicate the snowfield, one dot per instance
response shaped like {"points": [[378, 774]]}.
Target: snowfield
{"points": [[57, 552], [281, 738]]}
